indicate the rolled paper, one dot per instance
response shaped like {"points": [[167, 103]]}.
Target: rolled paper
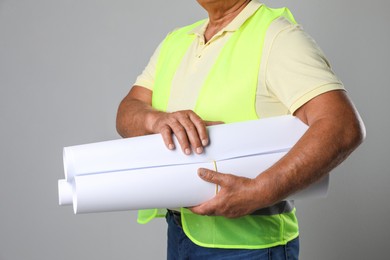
{"points": [[167, 187], [227, 141], [141, 173], [65, 193], [162, 187]]}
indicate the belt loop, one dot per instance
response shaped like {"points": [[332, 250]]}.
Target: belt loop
{"points": [[176, 216]]}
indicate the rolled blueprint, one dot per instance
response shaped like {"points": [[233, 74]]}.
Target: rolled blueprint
{"points": [[141, 173]]}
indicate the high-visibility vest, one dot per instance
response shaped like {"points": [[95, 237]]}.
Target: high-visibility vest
{"points": [[228, 94]]}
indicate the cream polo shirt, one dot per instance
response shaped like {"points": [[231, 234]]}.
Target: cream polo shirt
{"points": [[292, 71]]}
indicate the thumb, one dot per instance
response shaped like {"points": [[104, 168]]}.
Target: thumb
{"points": [[210, 176]]}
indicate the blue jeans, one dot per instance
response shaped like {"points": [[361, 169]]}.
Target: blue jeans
{"points": [[180, 247]]}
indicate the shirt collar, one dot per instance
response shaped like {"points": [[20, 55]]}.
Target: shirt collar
{"points": [[234, 25]]}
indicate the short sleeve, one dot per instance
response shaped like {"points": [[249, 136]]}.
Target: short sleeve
{"points": [[146, 78], [296, 69]]}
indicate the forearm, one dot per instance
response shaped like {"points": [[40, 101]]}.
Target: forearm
{"points": [[335, 130], [134, 117], [327, 142]]}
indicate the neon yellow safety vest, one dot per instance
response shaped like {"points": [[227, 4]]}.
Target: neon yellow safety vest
{"points": [[228, 94]]}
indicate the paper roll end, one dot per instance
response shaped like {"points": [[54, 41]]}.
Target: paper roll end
{"points": [[65, 193]]}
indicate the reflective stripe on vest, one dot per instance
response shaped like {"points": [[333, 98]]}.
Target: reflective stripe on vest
{"points": [[228, 94]]}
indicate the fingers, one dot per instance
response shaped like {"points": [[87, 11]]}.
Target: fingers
{"points": [[179, 129], [193, 133], [238, 196], [200, 127], [210, 208], [166, 134], [213, 176], [189, 129], [206, 209]]}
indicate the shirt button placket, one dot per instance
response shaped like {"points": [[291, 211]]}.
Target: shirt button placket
{"points": [[200, 48]]}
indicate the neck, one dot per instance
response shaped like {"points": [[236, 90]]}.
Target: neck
{"points": [[221, 13]]}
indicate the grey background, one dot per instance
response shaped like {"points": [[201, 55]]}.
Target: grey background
{"points": [[65, 66]]}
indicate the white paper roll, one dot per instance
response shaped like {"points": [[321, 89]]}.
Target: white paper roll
{"points": [[227, 141], [65, 193], [141, 173], [167, 187]]}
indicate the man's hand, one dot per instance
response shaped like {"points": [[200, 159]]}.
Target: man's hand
{"points": [[237, 196], [188, 127], [137, 117]]}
